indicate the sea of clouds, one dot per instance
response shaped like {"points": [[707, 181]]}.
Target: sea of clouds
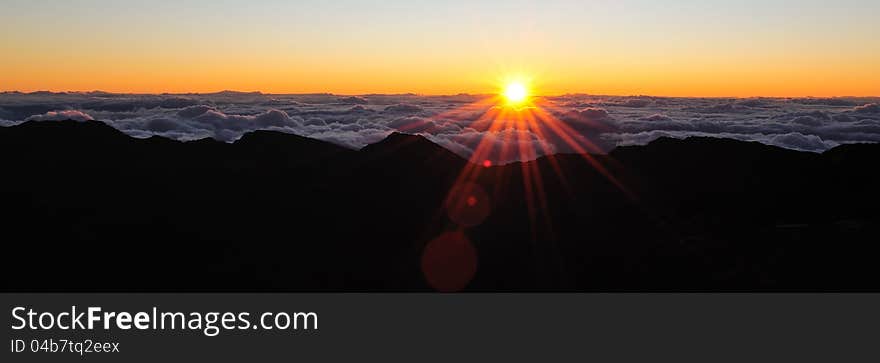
{"points": [[599, 122]]}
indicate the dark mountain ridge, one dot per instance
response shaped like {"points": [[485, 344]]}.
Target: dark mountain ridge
{"points": [[88, 208]]}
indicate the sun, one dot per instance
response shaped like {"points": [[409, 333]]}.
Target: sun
{"points": [[515, 92]]}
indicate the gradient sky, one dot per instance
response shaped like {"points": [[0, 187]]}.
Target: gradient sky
{"points": [[672, 48]]}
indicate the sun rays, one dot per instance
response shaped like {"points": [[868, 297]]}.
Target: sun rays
{"points": [[526, 132], [517, 125]]}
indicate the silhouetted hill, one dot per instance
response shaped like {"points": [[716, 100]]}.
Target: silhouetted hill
{"points": [[416, 147], [277, 145], [85, 207]]}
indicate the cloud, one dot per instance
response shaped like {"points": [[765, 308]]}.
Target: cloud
{"points": [[194, 111], [754, 103], [61, 116], [657, 117], [7, 123], [589, 121], [459, 122], [164, 125], [359, 108], [820, 115], [842, 117], [229, 127], [868, 108], [636, 102], [824, 101], [274, 117], [117, 104], [798, 141], [403, 108], [351, 139], [353, 100], [720, 108], [424, 125], [314, 121], [807, 120], [590, 113]]}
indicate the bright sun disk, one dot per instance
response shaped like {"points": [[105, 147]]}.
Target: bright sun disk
{"points": [[515, 92]]}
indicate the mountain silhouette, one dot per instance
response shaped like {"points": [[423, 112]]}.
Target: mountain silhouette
{"points": [[88, 208]]}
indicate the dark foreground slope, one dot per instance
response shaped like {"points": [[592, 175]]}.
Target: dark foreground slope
{"points": [[85, 207]]}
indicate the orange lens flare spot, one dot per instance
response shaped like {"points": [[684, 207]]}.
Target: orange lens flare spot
{"points": [[471, 201], [449, 262], [467, 204]]}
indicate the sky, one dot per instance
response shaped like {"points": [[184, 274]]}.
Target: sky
{"points": [[621, 47]]}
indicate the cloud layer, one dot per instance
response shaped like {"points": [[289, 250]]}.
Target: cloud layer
{"points": [[461, 122]]}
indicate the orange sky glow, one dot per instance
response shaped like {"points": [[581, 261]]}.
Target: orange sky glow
{"points": [[679, 49]]}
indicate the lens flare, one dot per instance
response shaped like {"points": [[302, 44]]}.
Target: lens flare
{"points": [[449, 262], [512, 121], [467, 204]]}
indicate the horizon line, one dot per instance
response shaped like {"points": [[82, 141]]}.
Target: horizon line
{"points": [[408, 94]]}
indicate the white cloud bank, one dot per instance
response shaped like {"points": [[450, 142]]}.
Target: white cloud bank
{"points": [[599, 122]]}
